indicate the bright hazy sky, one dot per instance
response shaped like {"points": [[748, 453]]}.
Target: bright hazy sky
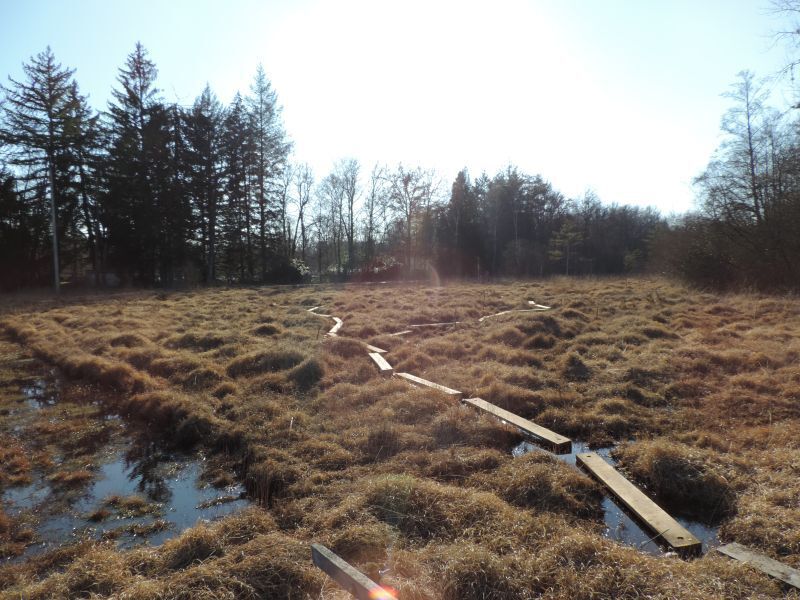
{"points": [[622, 97]]}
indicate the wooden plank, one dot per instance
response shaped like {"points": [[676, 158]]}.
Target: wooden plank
{"points": [[375, 349], [505, 312], [539, 306], [355, 582], [648, 512], [763, 563], [439, 388], [336, 327], [313, 309], [385, 367], [559, 443], [405, 331]]}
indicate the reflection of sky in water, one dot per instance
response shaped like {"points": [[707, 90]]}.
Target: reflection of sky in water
{"points": [[142, 469], [621, 525], [40, 393], [173, 482]]}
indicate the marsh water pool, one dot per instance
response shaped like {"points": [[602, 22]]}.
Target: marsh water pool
{"points": [[620, 524], [134, 488]]}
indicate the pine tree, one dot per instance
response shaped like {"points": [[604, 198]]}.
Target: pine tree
{"points": [[271, 152], [203, 133], [35, 126], [136, 122], [83, 154], [237, 212]]}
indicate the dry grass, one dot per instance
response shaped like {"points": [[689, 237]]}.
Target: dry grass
{"points": [[699, 392]]}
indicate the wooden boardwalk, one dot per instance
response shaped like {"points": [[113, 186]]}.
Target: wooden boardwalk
{"points": [[763, 563], [384, 367], [434, 386], [648, 512], [336, 327], [355, 582], [559, 443]]}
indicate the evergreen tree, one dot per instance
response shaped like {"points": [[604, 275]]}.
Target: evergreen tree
{"points": [[271, 150], [35, 125], [237, 213], [83, 155], [203, 134], [146, 215]]}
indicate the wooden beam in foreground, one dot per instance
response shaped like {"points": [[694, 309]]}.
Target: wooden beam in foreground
{"points": [[375, 349], [765, 564], [435, 386], [405, 331], [559, 443], [652, 515], [355, 582], [384, 367]]}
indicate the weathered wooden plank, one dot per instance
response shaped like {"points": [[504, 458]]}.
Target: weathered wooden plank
{"points": [[539, 306], [439, 388], [375, 349], [559, 443], [763, 563], [384, 367], [505, 312], [650, 513], [405, 331], [355, 582], [334, 330]]}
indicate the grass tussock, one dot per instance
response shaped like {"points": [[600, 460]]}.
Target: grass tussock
{"points": [[540, 482], [698, 394], [574, 369], [274, 359], [687, 480]]}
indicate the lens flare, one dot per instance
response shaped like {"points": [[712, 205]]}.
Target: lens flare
{"points": [[383, 593]]}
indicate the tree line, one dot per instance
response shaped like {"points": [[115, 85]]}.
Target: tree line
{"points": [[152, 193], [746, 231]]}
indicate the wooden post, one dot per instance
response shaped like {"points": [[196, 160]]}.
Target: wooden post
{"points": [[355, 582]]}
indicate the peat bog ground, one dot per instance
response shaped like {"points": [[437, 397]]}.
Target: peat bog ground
{"points": [[695, 396]]}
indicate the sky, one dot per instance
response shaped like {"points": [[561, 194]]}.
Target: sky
{"points": [[621, 97]]}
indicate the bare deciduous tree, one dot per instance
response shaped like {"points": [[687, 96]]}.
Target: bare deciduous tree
{"points": [[410, 192], [303, 182]]}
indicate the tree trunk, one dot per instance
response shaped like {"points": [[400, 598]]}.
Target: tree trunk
{"points": [[54, 220]]}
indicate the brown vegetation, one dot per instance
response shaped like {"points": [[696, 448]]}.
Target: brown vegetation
{"points": [[698, 392]]}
